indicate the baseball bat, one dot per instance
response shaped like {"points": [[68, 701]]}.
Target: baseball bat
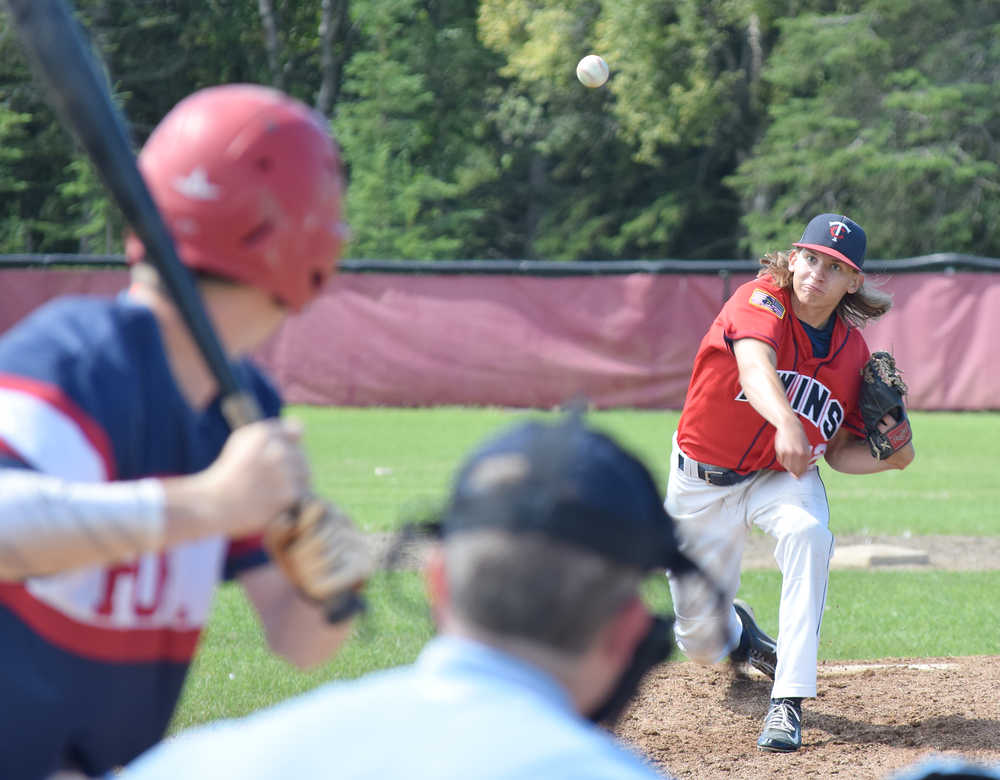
{"points": [[77, 91]]}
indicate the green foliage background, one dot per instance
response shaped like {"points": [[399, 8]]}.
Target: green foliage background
{"points": [[386, 466], [725, 125]]}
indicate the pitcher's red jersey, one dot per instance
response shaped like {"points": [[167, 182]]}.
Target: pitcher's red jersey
{"points": [[718, 425]]}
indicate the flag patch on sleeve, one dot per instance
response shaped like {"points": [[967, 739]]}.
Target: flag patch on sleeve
{"points": [[764, 300]]}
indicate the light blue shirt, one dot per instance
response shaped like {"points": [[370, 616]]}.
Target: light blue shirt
{"points": [[463, 710]]}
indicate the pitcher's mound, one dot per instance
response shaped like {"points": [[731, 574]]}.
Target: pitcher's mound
{"points": [[870, 719]]}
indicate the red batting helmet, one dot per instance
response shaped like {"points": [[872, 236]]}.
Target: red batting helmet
{"points": [[249, 183]]}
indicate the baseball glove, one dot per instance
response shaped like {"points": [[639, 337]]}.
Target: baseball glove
{"points": [[324, 555], [882, 391]]}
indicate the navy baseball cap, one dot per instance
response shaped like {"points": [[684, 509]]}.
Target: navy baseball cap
{"points": [[947, 768], [571, 483], [836, 235]]}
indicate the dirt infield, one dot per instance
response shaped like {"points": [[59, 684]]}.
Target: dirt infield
{"points": [[870, 719]]}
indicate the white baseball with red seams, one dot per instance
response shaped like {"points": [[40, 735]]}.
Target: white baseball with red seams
{"points": [[592, 70]]}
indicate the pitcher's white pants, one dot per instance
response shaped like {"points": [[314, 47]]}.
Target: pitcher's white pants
{"points": [[712, 525]]}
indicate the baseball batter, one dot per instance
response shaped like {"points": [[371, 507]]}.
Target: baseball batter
{"points": [[124, 500], [777, 384]]}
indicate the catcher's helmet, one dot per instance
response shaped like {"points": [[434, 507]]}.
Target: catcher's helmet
{"points": [[249, 183]]}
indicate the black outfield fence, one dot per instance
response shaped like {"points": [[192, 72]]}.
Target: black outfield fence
{"points": [[943, 261]]}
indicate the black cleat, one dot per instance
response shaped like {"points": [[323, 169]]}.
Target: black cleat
{"points": [[782, 727], [755, 648]]}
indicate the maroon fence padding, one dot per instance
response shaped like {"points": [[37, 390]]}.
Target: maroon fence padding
{"points": [[22, 290], [529, 341], [509, 341], [944, 330]]}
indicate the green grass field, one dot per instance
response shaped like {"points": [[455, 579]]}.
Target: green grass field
{"points": [[382, 465], [388, 465]]}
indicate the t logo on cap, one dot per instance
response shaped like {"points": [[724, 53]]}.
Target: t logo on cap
{"points": [[836, 235], [838, 229]]}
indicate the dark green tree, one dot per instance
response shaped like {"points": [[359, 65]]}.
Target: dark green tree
{"points": [[411, 123], [153, 52], [632, 170], [725, 124], [34, 154], [888, 114]]}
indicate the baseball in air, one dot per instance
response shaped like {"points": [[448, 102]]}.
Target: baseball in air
{"points": [[592, 71]]}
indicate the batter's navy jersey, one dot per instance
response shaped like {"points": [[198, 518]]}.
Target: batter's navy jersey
{"points": [[92, 661]]}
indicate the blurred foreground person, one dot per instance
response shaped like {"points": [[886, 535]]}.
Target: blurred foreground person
{"points": [[535, 590]]}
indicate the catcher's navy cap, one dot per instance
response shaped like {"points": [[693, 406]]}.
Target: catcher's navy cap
{"points": [[571, 483], [836, 235]]}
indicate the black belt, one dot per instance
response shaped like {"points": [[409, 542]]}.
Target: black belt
{"points": [[714, 475]]}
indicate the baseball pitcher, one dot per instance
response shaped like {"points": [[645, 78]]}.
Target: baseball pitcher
{"points": [[782, 378]]}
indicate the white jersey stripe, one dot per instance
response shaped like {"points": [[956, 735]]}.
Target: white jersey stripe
{"points": [[47, 438]]}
